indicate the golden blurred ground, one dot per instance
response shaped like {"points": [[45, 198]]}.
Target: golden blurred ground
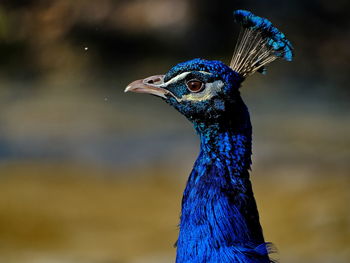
{"points": [[60, 213]]}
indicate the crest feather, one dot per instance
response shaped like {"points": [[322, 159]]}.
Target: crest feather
{"points": [[259, 43]]}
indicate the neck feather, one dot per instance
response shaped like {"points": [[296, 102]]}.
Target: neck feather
{"points": [[219, 216], [227, 146]]}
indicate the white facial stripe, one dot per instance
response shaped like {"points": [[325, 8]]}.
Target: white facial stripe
{"points": [[210, 90], [181, 77], [206, 73], [175, 79], [200, 96]]}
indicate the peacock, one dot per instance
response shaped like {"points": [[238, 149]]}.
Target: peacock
{"points": [[219, 219]]}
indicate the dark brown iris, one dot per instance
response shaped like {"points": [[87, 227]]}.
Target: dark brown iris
{"points": [[195, 85]]}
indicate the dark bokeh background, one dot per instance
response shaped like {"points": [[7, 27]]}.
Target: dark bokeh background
{"points": [[90, 174]]}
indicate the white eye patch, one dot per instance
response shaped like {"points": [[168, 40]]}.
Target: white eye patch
{"points": [[210, 90]]}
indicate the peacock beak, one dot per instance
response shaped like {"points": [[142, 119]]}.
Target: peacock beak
{"points": [[151, 85]]}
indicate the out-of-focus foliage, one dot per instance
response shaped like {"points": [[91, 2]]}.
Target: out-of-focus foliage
{"points": [[41, 37]]}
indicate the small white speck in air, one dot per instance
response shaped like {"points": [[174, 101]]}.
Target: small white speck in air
{"points": [[86, 48], [106, 99]]}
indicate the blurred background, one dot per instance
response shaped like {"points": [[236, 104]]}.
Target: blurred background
{"points": [[89, 174]]}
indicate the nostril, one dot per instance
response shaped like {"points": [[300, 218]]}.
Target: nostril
{"points": [[153, 80]]}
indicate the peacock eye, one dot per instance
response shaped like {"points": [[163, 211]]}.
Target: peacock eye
{"points": [[195, 85]]}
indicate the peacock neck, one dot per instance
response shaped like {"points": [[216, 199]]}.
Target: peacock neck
{"points": [[226, 146], [219, 218]]}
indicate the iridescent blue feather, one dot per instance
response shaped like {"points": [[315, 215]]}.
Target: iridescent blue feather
{"points": [[259, 44], [219, 217]]}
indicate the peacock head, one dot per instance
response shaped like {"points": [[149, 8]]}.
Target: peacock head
{"points": [[201, 90], [208, 91]]}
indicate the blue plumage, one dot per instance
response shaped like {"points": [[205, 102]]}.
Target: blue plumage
{"points": [[219, 217], [275, 38]]}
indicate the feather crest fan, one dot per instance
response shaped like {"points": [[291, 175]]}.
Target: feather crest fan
{"points": [[259, 43]]}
